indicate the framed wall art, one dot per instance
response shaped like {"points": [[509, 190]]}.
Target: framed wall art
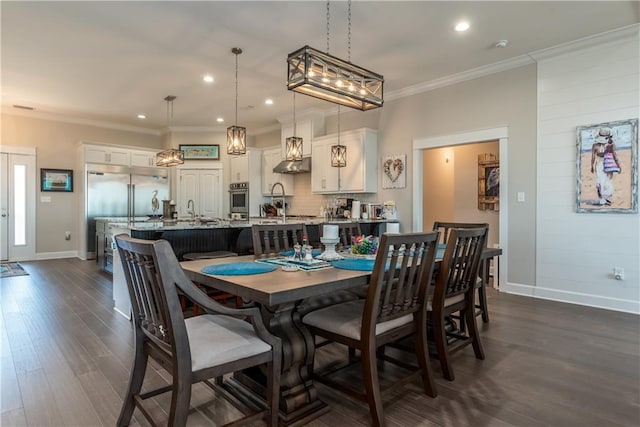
{"points": [[394, 174], [607, 167], [488, 182], [56, 180], [200, 152]]}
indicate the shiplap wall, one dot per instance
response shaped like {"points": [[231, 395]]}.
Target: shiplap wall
{"points": [[576, 252]]}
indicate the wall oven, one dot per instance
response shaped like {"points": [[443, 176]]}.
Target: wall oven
{"points": [[239, 200]]}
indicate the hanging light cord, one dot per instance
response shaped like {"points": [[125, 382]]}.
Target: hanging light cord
{"points": [[236, 121], [294, 114], [349, 33], [328, 28]]}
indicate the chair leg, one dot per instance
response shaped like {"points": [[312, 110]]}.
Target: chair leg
{"points": [[472, 326], [180, 401], [136, 378], [440, 336], [482, 302], [372, 387], [422, 353]]}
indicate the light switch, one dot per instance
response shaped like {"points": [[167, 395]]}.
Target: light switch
{"points": [[45, 199], [521, 196]]}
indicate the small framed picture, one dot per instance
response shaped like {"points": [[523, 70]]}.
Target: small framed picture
{"points": [[56, 180], [200, 152]]}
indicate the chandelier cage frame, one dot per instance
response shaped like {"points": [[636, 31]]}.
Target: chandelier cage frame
{"points": [[236, 135], [171, 156]]}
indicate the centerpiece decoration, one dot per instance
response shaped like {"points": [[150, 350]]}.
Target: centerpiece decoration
{"points": [[364, 245]]}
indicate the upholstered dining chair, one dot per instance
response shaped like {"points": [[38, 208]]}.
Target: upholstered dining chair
{"points": [[395, 308], [192, 350], [270, 239], [445, 228], [454, 293]]}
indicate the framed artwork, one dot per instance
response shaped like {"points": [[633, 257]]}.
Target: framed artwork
{"points": [[607, 167], [200, 152], [488, 182], [56, 180], [394, 174]]}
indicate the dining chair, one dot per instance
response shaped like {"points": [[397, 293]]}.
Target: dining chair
{"points": [[481, 285], [346, 231], [197, 349], [454, 293], [395, 308], [271, 239]]}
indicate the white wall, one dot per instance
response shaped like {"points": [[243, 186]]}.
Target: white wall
{"points": [[576, 252]]}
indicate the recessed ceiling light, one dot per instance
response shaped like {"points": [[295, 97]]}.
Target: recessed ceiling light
{"points": [[268, 101], [462, 26], [208, 78], [502, 43], [142, 116], [219, 120]]}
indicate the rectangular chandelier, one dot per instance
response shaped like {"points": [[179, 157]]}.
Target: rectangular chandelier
{"points": [[332, 79], [236, 140], [170, 157]]}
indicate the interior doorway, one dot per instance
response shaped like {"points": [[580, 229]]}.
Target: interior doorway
{"points": [[17, 203], [497, 134]]}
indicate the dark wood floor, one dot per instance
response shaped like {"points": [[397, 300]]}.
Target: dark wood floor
{"points": [[66, 354]]}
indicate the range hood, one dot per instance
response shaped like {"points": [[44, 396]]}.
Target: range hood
{"points": [[287, 166]]}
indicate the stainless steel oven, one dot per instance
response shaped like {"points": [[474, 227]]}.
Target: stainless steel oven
{"points": [[239, 200]]}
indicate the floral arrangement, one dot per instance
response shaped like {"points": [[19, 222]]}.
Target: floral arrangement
{"points": [[364, 245]]}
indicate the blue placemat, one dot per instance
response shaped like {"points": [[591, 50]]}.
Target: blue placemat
{"points": [[239, 269], [314, 252], [354, 264]]}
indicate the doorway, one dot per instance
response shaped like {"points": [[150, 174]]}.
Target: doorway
{"points": [[17, 203], [455, 140]]}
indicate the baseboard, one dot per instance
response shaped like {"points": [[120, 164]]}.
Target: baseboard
{"points": [[56, 255], [616, 304]]}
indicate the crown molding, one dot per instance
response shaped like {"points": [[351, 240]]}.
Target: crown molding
{"points": [[78, 121]]}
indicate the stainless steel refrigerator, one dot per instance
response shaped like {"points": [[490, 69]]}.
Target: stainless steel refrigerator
{"points": [[122, 193]]}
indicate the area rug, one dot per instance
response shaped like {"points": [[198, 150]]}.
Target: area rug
{"points": [[9, 269]]}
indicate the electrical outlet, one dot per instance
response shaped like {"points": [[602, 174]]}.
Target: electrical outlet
{"points": [[521, 196], [618, 273], [67, 235]]}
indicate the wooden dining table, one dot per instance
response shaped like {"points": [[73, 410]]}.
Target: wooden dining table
{"points": [[278, 294]]}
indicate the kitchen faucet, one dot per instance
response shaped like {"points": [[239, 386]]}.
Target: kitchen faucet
{"points": [[284, 216], [192, 212]]}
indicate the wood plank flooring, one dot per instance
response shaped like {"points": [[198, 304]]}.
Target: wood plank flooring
{"points": [[65, 360]]}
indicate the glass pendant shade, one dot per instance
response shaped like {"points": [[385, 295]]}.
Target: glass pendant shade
{"points": [[236, 140], [332, 79], [170, 157], [338, 156], [294, 149]]}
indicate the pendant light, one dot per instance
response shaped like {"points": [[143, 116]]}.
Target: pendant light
{"points": [[294, 143], [332, 79], [236, 135], [339, 151], [172, 156]]}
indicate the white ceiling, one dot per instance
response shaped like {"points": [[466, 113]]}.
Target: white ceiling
{"points": [[109, 60]]}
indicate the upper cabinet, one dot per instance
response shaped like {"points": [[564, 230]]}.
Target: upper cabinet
{"points": [[308, 126], [247, 168], [107, 154], [114, 155], [270, 158], [360, 175]]}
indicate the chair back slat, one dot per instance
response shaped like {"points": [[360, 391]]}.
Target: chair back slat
{"points": [[274, 238], [459, 268], [155, 306], [402, 271]]}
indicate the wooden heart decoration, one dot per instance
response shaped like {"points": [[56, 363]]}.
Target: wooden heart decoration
{"points": [[393, 169]]}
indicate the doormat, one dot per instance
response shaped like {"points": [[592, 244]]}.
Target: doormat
{"points": [[9, 269]]}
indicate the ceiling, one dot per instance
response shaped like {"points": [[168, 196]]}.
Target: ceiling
{"points": [[110, 61]]}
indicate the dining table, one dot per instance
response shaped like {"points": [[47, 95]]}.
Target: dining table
{"points": [[279, 293]]}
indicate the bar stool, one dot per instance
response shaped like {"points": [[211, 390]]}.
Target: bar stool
{"points": [[211, 292]]}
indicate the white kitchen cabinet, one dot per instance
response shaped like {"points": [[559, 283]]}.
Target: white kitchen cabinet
{"points": [[143, 158], [270, 158], [360, 175], [205, 188], [106, 154], [247, 168], [308, 127]]}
